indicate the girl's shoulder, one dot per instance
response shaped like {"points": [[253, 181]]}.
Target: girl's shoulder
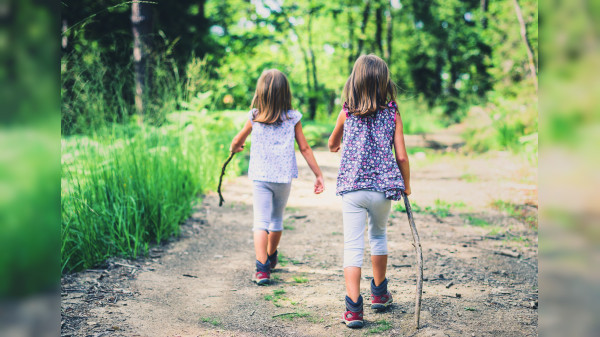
{"points": [[252, 114], [294, 116], [393, 106]]}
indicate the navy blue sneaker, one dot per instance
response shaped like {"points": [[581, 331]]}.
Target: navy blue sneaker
{"points": [[273, 260], [381, 298], [263, 273]]}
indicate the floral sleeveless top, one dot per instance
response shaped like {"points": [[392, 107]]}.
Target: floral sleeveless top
{"points": [[368, 162]]}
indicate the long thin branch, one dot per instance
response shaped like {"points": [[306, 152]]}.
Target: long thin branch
{"points": [[221, 200], [532, 67], [419, 256]]}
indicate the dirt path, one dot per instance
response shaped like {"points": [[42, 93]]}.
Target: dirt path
{"points": [[200, 284]]}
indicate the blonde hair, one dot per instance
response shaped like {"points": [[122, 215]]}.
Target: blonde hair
{"points": [[369, 87], [272, 97]]}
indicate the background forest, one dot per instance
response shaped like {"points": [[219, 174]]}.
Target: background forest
{"points": [[153, 91]]}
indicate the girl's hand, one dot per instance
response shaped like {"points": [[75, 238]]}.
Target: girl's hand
{"points": [[335, 149], [407, 190], [236, 149], [319, 185]]}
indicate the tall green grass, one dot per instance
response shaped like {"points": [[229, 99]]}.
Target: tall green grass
{"points": [[127, 187]]}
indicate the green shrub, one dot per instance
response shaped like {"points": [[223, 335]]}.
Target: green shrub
{"points": [[128, 186], [506, 123]]}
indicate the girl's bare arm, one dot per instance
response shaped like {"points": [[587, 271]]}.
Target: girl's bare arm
{"points": [[335, 140], [401, 155], [237, 145], [310, 158]]}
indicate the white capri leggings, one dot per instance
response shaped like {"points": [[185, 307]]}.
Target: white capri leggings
{"points": [[357, 205], [269, 202]]}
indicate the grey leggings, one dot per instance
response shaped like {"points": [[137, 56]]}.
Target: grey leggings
{"points": [[269, 202], [357, 205]]}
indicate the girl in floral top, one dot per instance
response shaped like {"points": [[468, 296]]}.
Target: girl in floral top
{"points": [[371, 174], [273, 163]]}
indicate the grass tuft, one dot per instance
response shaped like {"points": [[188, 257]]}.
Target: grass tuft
{"points": [[212, 321], [292, 315], [300, 279], [382, 325]]}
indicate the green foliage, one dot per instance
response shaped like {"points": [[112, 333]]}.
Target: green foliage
{"points": [[475, 221], [440, 208], [381, 326], [212, 321], [129, 186], [522, 213], [292, 315], [300, 279], [94, 92], [504, 124], [284, 260], [29, 235], [288, 224], [317, 134], [276, 297]]}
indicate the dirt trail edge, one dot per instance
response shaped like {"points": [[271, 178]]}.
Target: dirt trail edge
{"points": [[480, 267]]}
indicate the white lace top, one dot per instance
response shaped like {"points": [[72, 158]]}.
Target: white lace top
{"points": [[272, 156]]}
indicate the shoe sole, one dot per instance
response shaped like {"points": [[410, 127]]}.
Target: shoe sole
{"points": [[354, 324], [381, 306], [262, 282]]}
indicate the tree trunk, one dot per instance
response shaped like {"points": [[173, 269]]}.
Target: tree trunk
{"points": [[532, 67], [363, 27], [351, 58], [484, 9], [312, 100], [65, 40], [141, 23], [302, 49], [389, 36], [379, 28]]}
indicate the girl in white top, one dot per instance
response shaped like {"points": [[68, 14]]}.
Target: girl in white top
{"points": [[274, 126]]}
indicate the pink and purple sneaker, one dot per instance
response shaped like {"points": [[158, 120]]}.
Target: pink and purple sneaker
{"points": [[263, 273], [381, 298], [353, 317]]}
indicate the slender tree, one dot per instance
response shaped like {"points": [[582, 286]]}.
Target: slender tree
{"points": [[351, 57], [532, 67], [312, 100], [363, 28], [484, 8], [141, 23], [389, 35], [379, 28]]}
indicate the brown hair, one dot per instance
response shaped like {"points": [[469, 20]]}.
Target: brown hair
{"points": [[369, 87], [272, 97]]}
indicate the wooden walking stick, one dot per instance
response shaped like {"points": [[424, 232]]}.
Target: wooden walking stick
{"points": [[419, 255], [221, 200]]}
